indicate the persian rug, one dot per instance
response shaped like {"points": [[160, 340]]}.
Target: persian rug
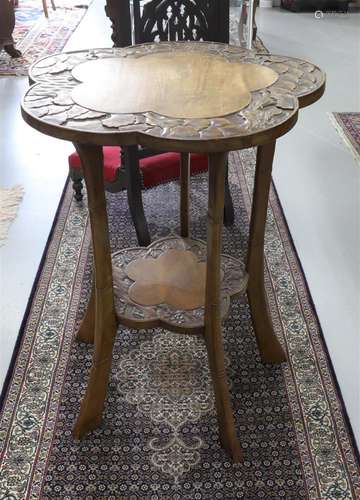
{"points": [[348, 127], [37, 36], [10, 199], [159, 437]]}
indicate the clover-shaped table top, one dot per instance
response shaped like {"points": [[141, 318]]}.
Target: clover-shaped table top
{"points": [[191, 96]]}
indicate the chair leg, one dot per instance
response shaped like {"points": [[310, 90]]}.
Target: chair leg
{"points": [[78, 187], [77, 183], [256, 2], [184, 194], [130, 161], [45, 9], [228, 204]]}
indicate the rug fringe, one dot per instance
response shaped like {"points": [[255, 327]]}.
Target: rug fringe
{"points": [[10, 199], [343, 136]]}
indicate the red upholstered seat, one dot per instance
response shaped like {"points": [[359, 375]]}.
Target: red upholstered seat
{"points": [[157, 169]]}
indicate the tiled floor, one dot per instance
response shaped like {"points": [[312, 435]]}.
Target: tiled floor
{"points": [[317, 179]]}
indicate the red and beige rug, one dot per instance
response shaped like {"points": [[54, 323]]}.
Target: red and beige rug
{"points": [[348, 127], [37, 36], [158, 439]]}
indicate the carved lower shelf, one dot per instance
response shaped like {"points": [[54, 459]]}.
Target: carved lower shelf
{"points": [[164, 284]]}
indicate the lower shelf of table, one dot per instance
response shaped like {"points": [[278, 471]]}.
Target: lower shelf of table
{"points": [[163, 285]]}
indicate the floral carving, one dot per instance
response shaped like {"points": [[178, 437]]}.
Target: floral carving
{"points": [[268, 108], [175, 278], [164, 284]]}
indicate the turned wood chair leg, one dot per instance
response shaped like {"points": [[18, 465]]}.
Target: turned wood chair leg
{"points": [[130, 161], [228, 203], [213, 330], [77, 183], [78, 188], [269, 346], [184, 194], [105, 319]]}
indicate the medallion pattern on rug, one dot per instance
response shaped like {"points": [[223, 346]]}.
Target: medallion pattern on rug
{"points": [[168, 380]]}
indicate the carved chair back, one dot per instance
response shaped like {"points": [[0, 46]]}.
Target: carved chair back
{"points": [[179, 20], [155, 21]]}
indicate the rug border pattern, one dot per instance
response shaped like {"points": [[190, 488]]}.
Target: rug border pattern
{"points": [[341, 127], [24, 361]]}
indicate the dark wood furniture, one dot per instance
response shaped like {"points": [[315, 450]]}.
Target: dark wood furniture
{"points": [[256, 104], [165, 20], [155, 21]]}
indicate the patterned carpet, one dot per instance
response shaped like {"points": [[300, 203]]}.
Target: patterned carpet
{"points": [[37, 36], [348, 127], [158, 439]]}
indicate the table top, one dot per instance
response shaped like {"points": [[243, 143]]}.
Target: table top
{"points": [[181, 96]]}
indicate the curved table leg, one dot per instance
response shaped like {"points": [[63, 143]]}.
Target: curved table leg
{"points": [[105, 319], [184, 194], [213, 333], [228, 203], [269, 346], [86, 332], [45, 9]]}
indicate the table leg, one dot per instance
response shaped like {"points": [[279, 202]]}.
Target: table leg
{"points": [[184, 194], [213, 330], [105, 319], [269, 346], [45, 9], [86, 332], [229, 207], [130, 157]]}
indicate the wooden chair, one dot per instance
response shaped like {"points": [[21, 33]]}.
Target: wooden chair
{"points": [[158, 20]]}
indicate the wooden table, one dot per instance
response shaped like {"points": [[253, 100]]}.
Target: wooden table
{"points": [[186, 97]]}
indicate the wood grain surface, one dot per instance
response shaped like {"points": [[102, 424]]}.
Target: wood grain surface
{"points": [[177, 84]]}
